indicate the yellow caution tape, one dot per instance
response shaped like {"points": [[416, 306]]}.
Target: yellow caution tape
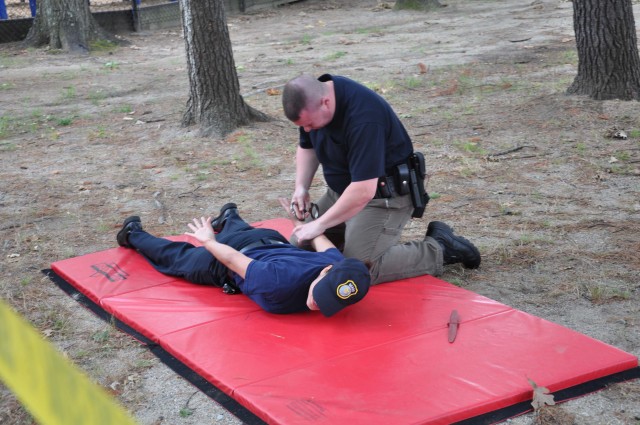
{"points": [[53, 390]]}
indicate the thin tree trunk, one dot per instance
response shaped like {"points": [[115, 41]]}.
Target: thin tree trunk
{"points": [[214, 99], [64, 24], [608, 61]]}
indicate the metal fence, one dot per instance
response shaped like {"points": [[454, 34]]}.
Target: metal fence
{"points": [[20, 9], [16, 16]]}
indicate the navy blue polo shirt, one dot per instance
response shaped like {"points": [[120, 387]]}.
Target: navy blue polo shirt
{"points": [[279, 276], [364, 140]]}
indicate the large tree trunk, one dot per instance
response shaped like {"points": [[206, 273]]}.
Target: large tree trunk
{"points": [[417, 4], [64, 24], [214, 100], [608, 62]]}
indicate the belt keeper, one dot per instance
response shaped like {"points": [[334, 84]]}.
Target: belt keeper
{"points": [[385, 188]]}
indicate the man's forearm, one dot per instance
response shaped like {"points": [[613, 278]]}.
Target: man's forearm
{"points": [[321, 243], [355, 197], [233, 259], [306, 167]]}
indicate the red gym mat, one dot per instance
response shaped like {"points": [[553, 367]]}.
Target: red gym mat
{"points": [[386, 360]]}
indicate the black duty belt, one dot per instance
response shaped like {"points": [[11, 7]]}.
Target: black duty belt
{"points": [[386, 187], [406, 179], [262, 242]]}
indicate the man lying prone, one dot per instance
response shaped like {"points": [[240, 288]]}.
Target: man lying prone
{"points": [[260, 263]]}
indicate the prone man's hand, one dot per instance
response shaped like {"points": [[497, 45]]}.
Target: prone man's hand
{"points": [[201, 229]]}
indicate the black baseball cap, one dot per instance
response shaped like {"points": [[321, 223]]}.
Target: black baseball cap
{"points": [[346, 283]]}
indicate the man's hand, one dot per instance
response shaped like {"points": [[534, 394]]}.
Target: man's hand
{"points": [[308, 231], [303, 232], [291, 215], [201, 230], [300, 204]]}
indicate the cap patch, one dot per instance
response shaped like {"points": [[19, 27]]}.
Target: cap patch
{"points": [[347, 289]]}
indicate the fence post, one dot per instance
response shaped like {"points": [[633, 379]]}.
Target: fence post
{"points": [[32, 5], [3, 10], [136, 15]]}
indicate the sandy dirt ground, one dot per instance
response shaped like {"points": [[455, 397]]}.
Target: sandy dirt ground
{"points": [[537, 179]]}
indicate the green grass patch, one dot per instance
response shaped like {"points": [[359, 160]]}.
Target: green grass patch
{"points": [[336, 55], [62, 122], [634, 134], [8, 147], [102, 337], [369, 30], [69, 92], [413, 82], [471, 147], [111, 65], [102, 46], [185, 412], [622, 156], [97, 96], [124, 109]]}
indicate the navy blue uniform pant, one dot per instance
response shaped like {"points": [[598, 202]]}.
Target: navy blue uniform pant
{"points": [[195, 263]]}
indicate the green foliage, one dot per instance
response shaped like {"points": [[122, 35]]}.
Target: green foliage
{"points": [[634, 134], [417, 5], [111, 65], [96, 96], [102, 46], [69, 92], [369, 30], [4, 126], [7, 147], [102, 336], [124, 109], [412, 82], [335, 56], [64, 121], [471, 147], [185, 412]]}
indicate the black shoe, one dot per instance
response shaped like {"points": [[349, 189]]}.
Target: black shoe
{"points": [[455, 249], [130, 224], [218, 222]]}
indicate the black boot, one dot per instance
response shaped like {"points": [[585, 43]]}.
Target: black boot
{"points": [[455, 249], [130, 224], [218, 222]]}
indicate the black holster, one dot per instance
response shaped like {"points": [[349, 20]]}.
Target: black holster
{"points": [[417, 174], [407, 178]]}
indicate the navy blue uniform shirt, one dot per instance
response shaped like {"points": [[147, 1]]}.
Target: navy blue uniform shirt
{"points": [[279, 276], [364, 140]]}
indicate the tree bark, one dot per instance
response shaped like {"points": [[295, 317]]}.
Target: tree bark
{"points": [[214, 98], [608, 61], [65, 24], [417, 4]]}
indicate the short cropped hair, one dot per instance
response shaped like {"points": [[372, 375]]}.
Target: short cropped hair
{"points": [[299, 93]]}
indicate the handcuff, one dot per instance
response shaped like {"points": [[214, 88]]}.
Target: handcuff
{"points": [[313, 211]]}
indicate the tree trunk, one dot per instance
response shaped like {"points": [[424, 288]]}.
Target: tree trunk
{"points": [[417, 4], [214, 99], [64, 24], [608, 62]]}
